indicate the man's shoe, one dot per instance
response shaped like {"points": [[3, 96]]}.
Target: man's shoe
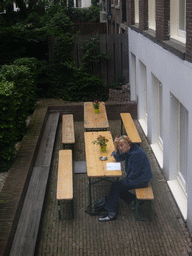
{"points": [[134, 205], [107, 217]]}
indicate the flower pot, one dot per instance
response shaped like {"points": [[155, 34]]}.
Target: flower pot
{"points": [[103, 149], [96, 111]]}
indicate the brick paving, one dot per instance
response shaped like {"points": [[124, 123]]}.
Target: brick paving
{"points": [[166, 234]]}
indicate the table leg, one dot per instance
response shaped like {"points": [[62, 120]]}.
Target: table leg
{"points": [[90, 198], [59, 210], [121, 127]]}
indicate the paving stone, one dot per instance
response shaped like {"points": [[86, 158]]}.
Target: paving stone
{"points": [[165, 235]]}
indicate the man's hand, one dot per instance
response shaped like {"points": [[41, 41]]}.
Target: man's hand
{"points": [[116, 143]]}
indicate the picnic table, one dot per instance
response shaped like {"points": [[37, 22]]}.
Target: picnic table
{"points": [[93, 121], [95, 167]]}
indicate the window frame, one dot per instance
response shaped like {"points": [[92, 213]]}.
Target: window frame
{"points": [[175, 32]]}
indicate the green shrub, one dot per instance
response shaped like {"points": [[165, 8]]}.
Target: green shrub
{"points": [[59, 24], [85, 15], [24, 93], [7, 125], [17, 100], [92, 53], [118, 83], [33, 65], [85, 87], [21, 41]]}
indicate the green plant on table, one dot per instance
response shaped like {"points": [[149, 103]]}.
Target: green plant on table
{"points": [[101, 141], [96, 104]]}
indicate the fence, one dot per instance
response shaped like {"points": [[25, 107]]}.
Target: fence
{"points": [[90, 28], [116, 45]]}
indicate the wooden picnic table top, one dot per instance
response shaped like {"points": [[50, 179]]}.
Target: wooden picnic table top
{"points": [[95, 121], [96, 167]]}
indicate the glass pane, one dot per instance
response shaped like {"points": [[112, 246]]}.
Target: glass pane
{"points": [[182, 15], [136, 11], [161, 111], [183, 144]]}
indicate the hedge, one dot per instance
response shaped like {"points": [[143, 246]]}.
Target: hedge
{"points": [[17, 101]]}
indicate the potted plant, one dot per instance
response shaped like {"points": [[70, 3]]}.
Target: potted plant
{"points": [[102, 142], [96, 106]]}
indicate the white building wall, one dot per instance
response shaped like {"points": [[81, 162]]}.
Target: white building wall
{"points": [[175, 75]]}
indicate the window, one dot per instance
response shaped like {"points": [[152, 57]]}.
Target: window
{"points": [[179, 138], [182, 18], [157, 119], [143, 113], [151, 14], [136, 11], [133, 77], [178, 20], [160, 113], [178, 157], [182, 133]]}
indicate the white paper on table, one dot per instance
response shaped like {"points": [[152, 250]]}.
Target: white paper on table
{"points": [[113, 166]]}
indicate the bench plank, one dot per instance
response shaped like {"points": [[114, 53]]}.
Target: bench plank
{"points": [[25, 237], [27, 230], [45, 150], [65, 176], [130, 127], [68, 134], [144, 193]]}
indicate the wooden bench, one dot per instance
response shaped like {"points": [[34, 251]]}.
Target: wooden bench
{"points": [[65, 180], [26, 234], [130, 128], [143, 194], [68, 134]]}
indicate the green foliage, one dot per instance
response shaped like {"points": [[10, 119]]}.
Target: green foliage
{"points": [[59, 24], [21, 78], [31, 63], [50, 12], [85, 87], [12, 43], [17, 99], [7, 124], [24, 93], [92, 53], [118, 83], [21, 41], [85, 15]]}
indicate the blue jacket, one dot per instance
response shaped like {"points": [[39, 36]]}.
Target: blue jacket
{"points": [[137, 165]]}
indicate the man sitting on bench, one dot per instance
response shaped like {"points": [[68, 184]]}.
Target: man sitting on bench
{"points": [[138, 171]]}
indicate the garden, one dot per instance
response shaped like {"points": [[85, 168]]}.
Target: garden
{"points": [[26, 72]]}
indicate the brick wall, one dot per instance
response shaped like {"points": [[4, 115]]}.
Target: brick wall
{"points": [[188, 54], [130, 12], [113, 110], [162, 17], [143, 15]]}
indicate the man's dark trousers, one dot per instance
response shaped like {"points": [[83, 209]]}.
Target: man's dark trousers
{"points": [[120, 189]]}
